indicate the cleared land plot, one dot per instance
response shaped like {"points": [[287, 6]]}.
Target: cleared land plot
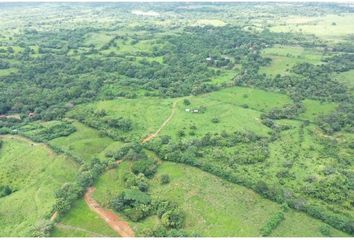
{"points": [[329, 27], [7, 72], [238, 109], [346, 78], [313, 109], [98, 39], [285, 57]]}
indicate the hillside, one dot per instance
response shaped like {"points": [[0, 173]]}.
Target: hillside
{"points": [[176, 119]]}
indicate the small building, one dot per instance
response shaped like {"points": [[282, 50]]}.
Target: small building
{"points": [[195, 110], [208, 59], [31, 114], [187, 110]]}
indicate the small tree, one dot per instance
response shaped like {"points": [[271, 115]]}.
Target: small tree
{"points": [[165, 179], [186, 102], [173, 219], [215, 120], [181, 133]]}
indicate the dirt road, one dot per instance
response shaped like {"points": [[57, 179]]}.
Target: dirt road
{"points": [[153, 135], [112, 219]]}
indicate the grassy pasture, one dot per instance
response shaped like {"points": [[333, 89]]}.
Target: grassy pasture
{"points": [[8, 71], [35, 172], [329, 27], [313, 109], [98, 39], [85, 143], [297, 224], [147, 114], [82, 222], [213, 207], [238, 109], [346, 78], [225, 76], [285, 57], [256, 99], [129, 48]]}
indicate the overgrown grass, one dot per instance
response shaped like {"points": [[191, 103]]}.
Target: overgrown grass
{"points": [[35, 172]]}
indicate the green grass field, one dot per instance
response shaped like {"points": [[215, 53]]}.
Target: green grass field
{"points": [[285, 57], [329, 27], [7, 72], [146, 114], [82, 222], [238, 109], [98, 39], [85, 143], [213, 207], [35, 172], [313, 109], [347, 78]]}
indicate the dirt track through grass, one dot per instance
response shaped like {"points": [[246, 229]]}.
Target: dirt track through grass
{"points": [[112, 219], [153, 135]]}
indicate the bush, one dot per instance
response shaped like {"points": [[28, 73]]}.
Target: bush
{"points": [[42, 229], [272, 223], [165, 179], [5, 191], [325, 230], [59, 130], [130, 198], [215, 120], [138, 213], [186, 102], [173, 218], [131, 180], [146, 167]]}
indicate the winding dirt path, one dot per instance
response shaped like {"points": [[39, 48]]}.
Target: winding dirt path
{"points": [[153, 135], [113, 220]]}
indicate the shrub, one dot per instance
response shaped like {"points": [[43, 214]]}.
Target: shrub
{"points": [[215, 120], [272, 223], [325, 230], [130, 198], [186, 102], [164, 179], [146, 167], [5, 191], [42, 229], [173, 218]]}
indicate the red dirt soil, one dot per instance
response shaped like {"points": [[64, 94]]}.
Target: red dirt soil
{"points": [[113, 220]]}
